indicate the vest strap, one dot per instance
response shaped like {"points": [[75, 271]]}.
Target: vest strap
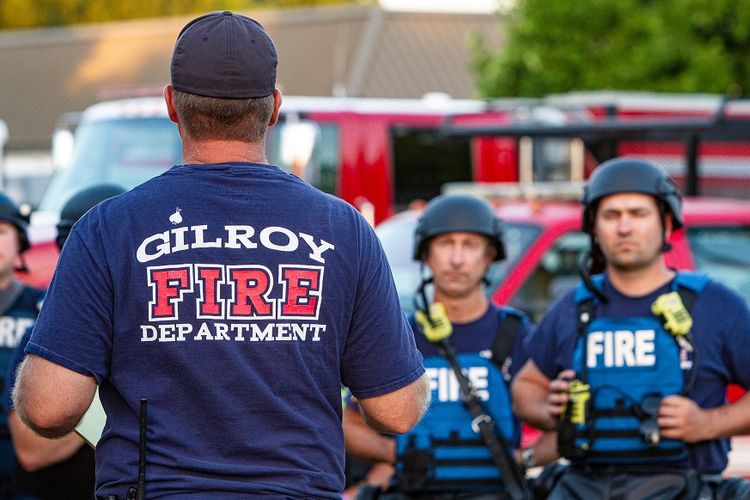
{"points": [[505, 338]]}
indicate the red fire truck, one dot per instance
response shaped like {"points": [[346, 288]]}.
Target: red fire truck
{"points": [[382, 154]]}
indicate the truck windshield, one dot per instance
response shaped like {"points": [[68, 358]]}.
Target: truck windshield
{"points": [[125, 152], [721, 252]]}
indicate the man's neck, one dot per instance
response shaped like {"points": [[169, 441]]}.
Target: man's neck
{"points": [[202, 152], [464, 309], [639, 282], [6, 279]]}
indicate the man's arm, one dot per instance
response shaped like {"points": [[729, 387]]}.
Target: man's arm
{"points": [[544, 450], [364, 442], [35, 452], [50, 398], [398, 411], [537, 399], [681, 418]]}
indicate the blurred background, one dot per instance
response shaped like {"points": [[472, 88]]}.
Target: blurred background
{"points": [[58, 57]]}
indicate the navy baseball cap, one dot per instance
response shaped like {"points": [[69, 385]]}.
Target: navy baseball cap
{"points": [[225, 55]]}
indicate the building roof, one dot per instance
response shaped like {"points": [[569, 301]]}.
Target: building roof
{"points": [[344, 50]]}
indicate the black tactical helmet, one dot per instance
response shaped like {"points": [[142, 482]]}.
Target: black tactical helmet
{"points": [[457, 213], [630, 175], [81, 203], [10, 212]]}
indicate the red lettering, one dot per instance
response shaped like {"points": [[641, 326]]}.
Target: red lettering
{"points": [[301, 292], [252, 286], [169, 284], [209, 303]]}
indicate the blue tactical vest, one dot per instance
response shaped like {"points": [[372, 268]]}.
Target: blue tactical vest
{"points": [[14, 323], [630, 364], [442, 452]]}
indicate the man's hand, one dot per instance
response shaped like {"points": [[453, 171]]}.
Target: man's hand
{"points": [[558, 393], [538, 400], [681, 418]]}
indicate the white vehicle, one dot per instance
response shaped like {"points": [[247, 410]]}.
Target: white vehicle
{"points": [[124, 142]]}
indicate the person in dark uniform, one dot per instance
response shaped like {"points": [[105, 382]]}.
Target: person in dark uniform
{"points": [[632, 366], [52, 469], [233, 297], [457, 239]]}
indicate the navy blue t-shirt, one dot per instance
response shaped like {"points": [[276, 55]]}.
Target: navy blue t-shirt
{"points": [[237, 299], [721, 334]]}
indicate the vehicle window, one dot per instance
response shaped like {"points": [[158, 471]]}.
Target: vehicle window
{"points": [[556, 273], [424, 160], [721, 252], [326, 160], [322, 166], [125, 152], [551, 159], [397, 238]]}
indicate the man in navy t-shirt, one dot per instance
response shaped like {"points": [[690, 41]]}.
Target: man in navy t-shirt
{"points": [[233, 296], [632, 367]]}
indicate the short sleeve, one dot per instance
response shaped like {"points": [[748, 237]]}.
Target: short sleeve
{"points": [[519, 355], [380, 355], [550, 344], [736, 337], [74, 325]]}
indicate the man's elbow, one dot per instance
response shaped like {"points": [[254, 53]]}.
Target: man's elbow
{"points": [[407, 413], [49, 398], [40, 418], [521, 405], [421, 404], [47, 424]]}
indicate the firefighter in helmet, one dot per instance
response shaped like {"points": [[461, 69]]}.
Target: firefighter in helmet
{"points": [[631, 367]]}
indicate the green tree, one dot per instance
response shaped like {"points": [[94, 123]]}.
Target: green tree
{"points": [[40, 13], [650, 45]]}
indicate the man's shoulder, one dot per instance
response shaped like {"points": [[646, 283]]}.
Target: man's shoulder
{"points": [[561, 312], [716, 293], [511, 312]]}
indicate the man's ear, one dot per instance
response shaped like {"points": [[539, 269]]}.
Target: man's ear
{"points": [[276, 106], [169, 99], [668, 225]]}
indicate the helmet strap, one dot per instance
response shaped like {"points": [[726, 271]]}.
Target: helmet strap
{"points": [[584, 270], [665, 245], [420, 296], [21, 267]]}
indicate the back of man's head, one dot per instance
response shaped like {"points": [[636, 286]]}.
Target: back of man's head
{"points": [[224, 74]]}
